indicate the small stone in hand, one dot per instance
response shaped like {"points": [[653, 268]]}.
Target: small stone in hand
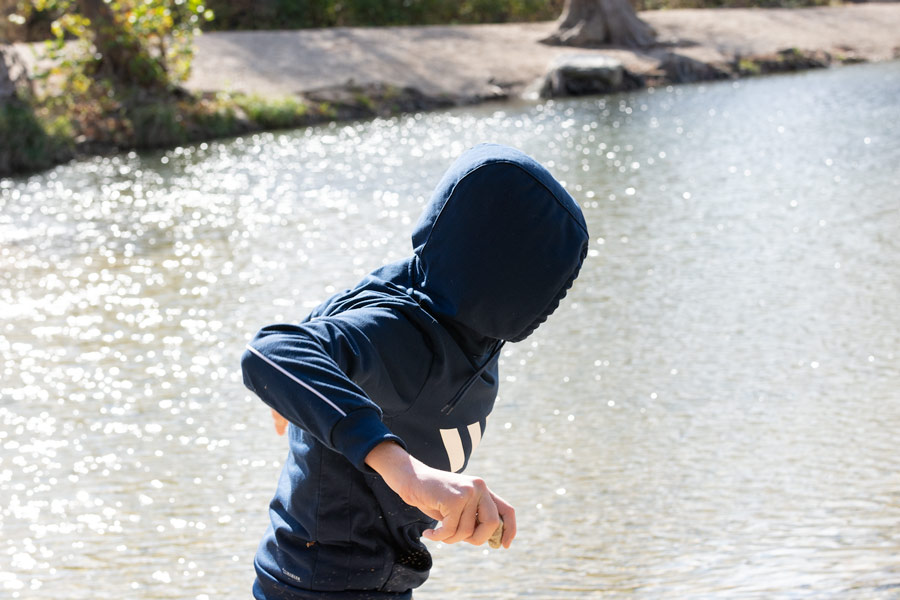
{"points": [[494, 541]]}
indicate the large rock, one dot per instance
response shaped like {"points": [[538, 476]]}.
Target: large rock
{"points": [[581, 74], [679, 68]]}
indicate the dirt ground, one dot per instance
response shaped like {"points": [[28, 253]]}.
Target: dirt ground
{"points": [[483, 61]]}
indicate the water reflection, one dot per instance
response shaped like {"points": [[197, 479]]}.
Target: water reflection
{"points": [[711, 413]]}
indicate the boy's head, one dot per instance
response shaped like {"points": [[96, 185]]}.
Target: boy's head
{"points": [[498, 245]]}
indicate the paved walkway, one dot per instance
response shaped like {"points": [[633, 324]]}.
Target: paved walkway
{"points": [[471, 60]]}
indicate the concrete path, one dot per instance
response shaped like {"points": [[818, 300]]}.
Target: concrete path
{"points": [[481, 60]]}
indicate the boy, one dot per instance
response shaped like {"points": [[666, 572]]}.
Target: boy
{"points": [[388, 385]]}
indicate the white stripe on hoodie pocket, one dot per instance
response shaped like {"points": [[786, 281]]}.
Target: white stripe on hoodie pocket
{"points": [[453, 444]]}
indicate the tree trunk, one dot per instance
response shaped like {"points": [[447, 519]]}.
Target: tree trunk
{"points": [[601, 23], [8, 29], [13, 75], [123, 57], [7, 87]]}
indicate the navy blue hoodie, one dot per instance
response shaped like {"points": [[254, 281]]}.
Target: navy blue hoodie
{"points": [[410, 355]]}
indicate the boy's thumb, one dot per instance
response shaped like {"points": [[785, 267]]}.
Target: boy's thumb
{"points": [[437, 534]]}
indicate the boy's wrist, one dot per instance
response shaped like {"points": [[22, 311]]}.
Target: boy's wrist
{"points": [[390, 460], [404, 474]]}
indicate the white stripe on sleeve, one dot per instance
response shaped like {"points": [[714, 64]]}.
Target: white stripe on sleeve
{"points": [[306, 386]]}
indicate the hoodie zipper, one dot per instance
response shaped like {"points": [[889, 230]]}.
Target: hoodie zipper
{"points": [[461, 392]]}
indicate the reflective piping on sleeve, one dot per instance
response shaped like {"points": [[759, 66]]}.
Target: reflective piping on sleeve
{"points": [[294, 379]]}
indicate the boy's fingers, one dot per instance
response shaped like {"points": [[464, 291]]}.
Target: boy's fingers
{"points": [[488, 520], [441, 533], [434, 514], [465, 523], [445, 529]]}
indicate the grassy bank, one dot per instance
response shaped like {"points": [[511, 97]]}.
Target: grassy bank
{"points": [[35, 138]]}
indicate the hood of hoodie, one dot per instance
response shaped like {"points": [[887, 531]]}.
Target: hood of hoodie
{"points": [[498, 245]]}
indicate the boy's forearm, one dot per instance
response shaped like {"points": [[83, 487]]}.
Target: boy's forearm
{"points": [[393, 463]]}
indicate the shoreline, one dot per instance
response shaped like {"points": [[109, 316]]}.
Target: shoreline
{"points": [[344, 74]]}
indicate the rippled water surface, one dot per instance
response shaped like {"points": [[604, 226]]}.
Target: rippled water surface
{"points": [[713, 413]]}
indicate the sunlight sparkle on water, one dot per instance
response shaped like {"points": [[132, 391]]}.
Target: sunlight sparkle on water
{"points": [[733, 321]]}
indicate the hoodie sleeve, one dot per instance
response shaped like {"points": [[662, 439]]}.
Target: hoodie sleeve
{"points": [[306, 372]]}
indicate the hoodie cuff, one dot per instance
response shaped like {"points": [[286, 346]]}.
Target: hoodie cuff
{"points": [[358, 433]]}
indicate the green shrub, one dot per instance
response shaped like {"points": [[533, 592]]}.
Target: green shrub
{"points": [[157, 125], [208, 120], [25, 145]]}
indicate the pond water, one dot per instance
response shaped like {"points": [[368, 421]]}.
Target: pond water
{"points": [[713, 412]]}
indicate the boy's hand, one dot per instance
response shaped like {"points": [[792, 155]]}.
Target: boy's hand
{"points": [[280, 422], [468, 510]]}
